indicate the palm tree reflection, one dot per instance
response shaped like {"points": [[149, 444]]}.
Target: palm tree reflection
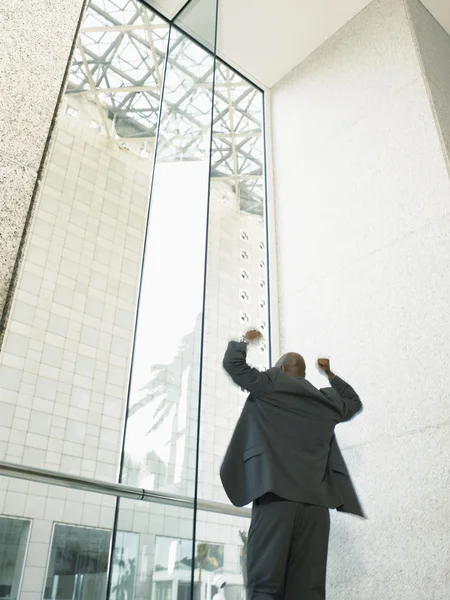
{"points": [[166, 401]]}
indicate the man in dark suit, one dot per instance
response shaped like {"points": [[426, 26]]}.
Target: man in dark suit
{"points": [[284, 458]]}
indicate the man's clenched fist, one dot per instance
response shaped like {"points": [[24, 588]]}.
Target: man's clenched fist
{"points": [[324, 366], [253, 336]]}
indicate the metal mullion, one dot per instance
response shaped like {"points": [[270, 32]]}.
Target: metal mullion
{"points": [[266, 212], [197, 505]]}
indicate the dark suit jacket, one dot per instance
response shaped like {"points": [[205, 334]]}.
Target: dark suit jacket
{"points": [[284, 440]]}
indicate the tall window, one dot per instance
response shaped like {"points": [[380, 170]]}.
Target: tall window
{"points": [[207, 215], [146, 255]]}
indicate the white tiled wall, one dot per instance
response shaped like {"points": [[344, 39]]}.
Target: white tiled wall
{"points": [[65, 361]]}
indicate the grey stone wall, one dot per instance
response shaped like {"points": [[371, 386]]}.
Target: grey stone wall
{"points": [[35, 45], [434, 47]]}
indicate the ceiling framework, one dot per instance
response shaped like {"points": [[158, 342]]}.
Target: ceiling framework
{"points": [[119, 66]]}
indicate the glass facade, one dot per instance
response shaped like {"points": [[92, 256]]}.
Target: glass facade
{"points": [[78, 563], [147, 254]]}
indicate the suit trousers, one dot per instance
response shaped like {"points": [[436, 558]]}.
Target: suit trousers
{"points": [[287, 550]]}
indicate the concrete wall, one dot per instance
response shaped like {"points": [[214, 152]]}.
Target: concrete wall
{"points": [[434, 46], [363, 216], [34, 49]]}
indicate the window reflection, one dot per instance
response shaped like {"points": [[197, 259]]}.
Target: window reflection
{"points": [[118, 67], [78, 564], [173, 563], [162, 423], [14, 538], [238, 141], [161, 441]]}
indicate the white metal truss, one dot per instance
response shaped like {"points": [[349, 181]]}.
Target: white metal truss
{"points": [[119, 66]]}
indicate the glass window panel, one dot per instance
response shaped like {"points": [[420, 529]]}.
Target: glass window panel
{"points": [[199, 20], [163, 590], [125, 557], [164, 564], [78, 564], [64, 536], [118, 66], [230, 534], [235, 301], [162, 423], [96, 192], [14, 539]]}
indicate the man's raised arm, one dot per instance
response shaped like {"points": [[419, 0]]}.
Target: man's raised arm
{"points": [[235, 364], [349, 403]]}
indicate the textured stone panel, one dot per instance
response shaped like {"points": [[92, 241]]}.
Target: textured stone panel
{"points": [[375, 182], [35, 46], [349, 76], [402, 549], [16, 187], [363, 217], [385, 322]]}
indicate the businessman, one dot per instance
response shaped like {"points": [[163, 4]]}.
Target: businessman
{"points": [[284, 458]]}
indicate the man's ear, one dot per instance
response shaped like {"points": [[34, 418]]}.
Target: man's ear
{"points": [[282, 368]]}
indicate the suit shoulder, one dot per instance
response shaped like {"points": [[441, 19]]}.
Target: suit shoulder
{"points": [[273, 373], [273, 370], [329, 392]]}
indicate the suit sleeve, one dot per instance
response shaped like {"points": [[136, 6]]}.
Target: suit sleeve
{"points": [[235, 364], [349, 403]]}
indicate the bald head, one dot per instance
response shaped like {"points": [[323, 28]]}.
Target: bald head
{"points": [[292, 364]]}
